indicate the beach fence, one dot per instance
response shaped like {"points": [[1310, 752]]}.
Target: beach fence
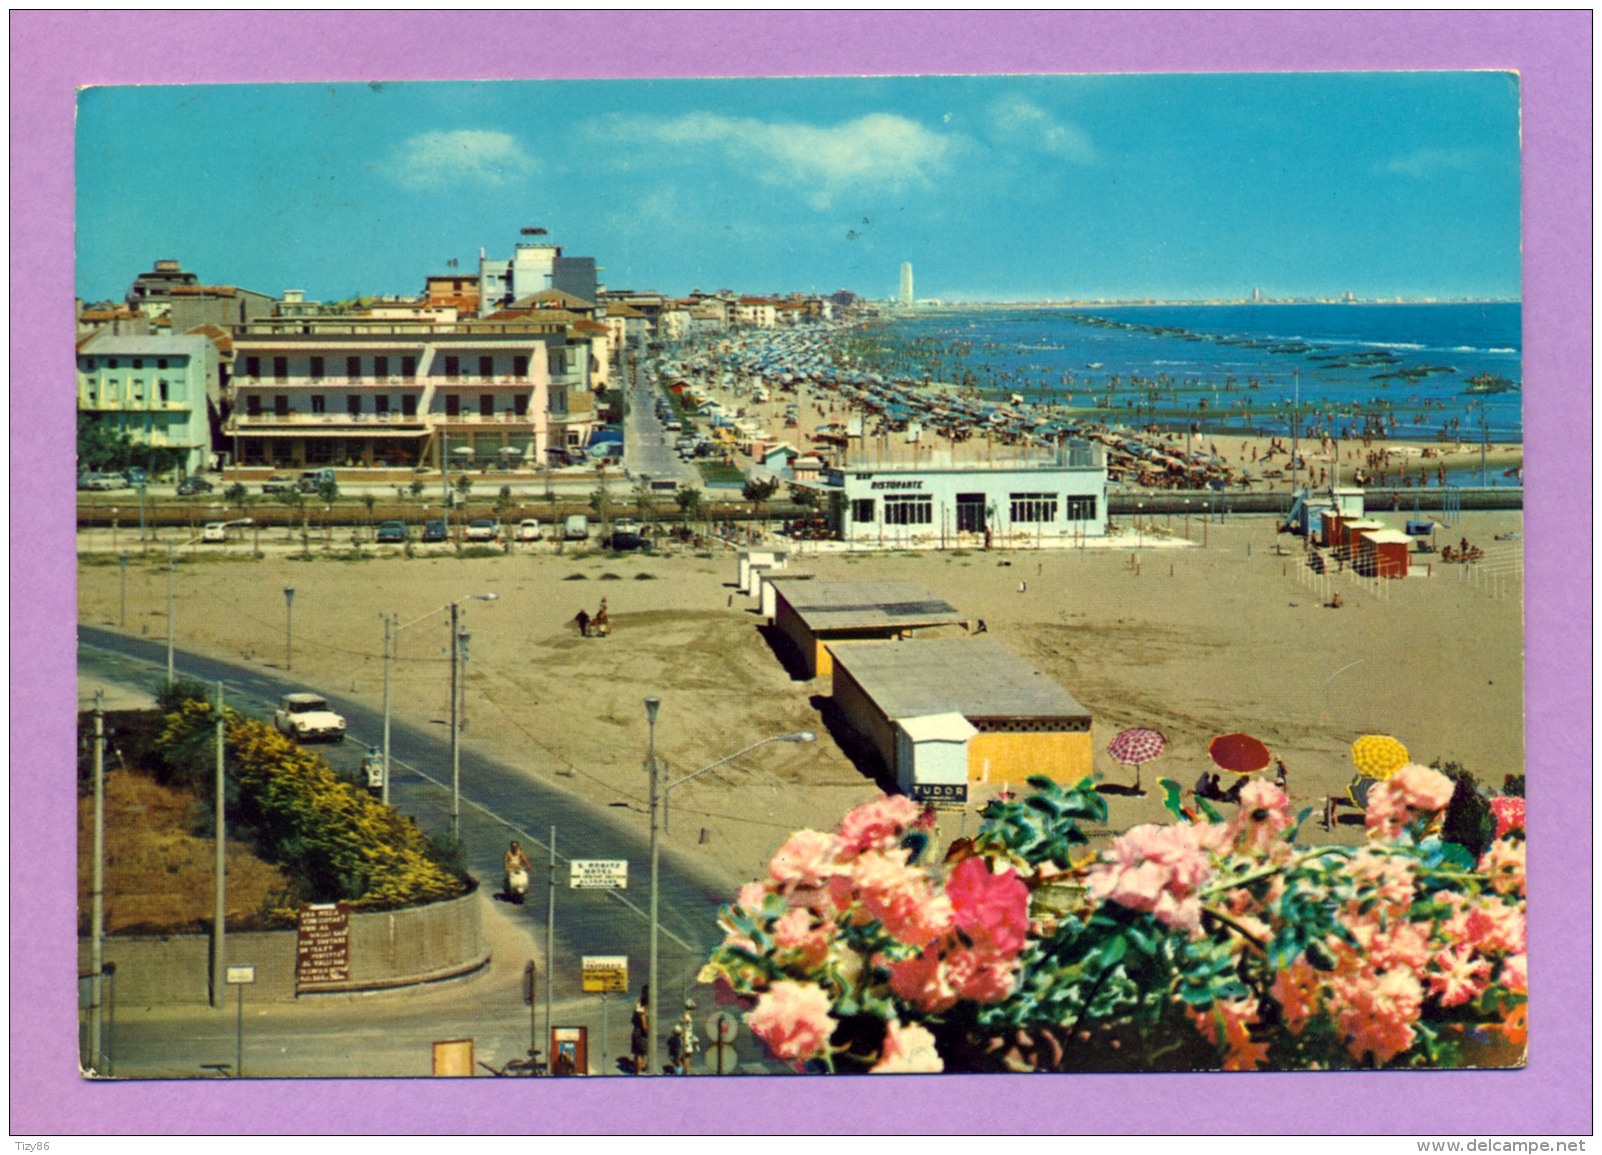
{"points": [[1325, 582], [1498, 575]]}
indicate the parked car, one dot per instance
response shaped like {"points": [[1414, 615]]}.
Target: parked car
{"points": [[391, 532], [483, 529], [576, 528], [308, 717], [621, 541], [278, 483], [528, 530], [214, 531], [675, 426], [137, 475], [434, 530], [190, 486], [314, 479], [101, 481], [626, 525]]}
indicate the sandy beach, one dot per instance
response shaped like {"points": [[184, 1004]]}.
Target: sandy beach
{"points": [[1156, 631]]}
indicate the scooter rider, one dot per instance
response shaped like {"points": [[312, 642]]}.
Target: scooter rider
{"points": [[517, 865]]}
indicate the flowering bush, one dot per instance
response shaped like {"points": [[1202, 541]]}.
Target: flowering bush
{"points": [[1202, 944], [338, 841]]}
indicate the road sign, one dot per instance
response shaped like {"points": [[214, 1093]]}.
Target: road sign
{"points": [[598, 874], [238, 976], [323, 944], [605, 974], [719, 1058], [722, 1027]]}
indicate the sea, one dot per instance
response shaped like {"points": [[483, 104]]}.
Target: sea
{"points": [[1422, 371]]}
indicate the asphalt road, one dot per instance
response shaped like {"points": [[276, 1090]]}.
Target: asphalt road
{"points": [[499, 802], [647, 444]]}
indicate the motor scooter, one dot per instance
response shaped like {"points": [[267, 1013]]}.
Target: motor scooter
{"points": [[517, 884]]}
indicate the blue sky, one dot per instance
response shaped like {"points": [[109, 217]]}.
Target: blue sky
{"points": [[995, 188]]}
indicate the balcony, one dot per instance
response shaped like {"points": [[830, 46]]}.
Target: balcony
{"points": [[325, 419], [481, 419], [326, 382]]}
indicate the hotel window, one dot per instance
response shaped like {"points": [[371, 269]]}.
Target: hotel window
{"points": [[486, 405], [281, 406], [161, 362], [139, 363], [316, 368], [381, 403], [453, 367], [520, 366], [909, 509], [353, 366], [520, 405], [380, 366], [161, 390], [862, 509], [252, 366], [453, 405], [1034, 508], [408, 366], [558, 360], [1080, 508], [112, 363], [409, 405], [353, 404], [486, 366], [280, 368], [319, 403], [252, 405]]}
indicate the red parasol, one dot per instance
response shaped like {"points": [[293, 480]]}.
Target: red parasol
{"points": [[1239, 753], [1137, 746]]}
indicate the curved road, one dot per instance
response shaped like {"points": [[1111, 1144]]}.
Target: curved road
{"points": [[499, 802]]}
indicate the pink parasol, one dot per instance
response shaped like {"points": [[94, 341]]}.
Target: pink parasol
{"points": [[1239, 753], [1137, 746]]}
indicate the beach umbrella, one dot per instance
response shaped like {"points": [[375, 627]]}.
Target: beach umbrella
{"points": [[1378, 756], [1137, 746], [1239, 753]]}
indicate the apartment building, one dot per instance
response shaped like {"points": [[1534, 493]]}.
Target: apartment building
{"points": [[156, 389]]}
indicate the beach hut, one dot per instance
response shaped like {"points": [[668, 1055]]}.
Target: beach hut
{"points": [[1329, 531], [815, 613], [1382, 553], [1350, 532], [1024, 722], [754, 559]]}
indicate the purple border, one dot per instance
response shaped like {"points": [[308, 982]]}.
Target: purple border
{"points": [[51, 54]]}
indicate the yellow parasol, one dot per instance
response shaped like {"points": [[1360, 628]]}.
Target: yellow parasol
{"points": [[1378, 756]]}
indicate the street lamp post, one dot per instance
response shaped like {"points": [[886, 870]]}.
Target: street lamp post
{"points": [[658, 797], [171, 559], [122, 595], [289, 628], [459, 640]]}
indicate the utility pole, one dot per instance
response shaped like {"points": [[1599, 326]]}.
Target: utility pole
{"points": [[652, 705], [389, 642], [219, 913], [169, 614], [456, 742], [550, 951]]}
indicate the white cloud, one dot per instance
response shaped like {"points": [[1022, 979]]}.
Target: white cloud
{"points": [[1021, 123], [1428, 162], [878, 152], [467, 157]]}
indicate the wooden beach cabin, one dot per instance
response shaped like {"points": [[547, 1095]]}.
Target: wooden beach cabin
{"points": [[1382, 553], [813, 614], [1024, 722]]}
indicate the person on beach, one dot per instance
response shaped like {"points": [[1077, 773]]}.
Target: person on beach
{"points": [[1207, 786], [640, 1030], [582, 620]]}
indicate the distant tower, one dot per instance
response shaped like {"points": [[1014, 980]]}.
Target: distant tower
{"points": [[1257, 294], [906, 282]]}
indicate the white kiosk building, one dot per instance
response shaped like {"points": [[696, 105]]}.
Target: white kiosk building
{"points": [[1057, 498]]}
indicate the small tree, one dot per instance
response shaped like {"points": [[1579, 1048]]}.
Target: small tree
{"points": [[601, 500], [236, 495], [503, 501], [416, 487], [328, 491], [464, 485], [688, 499], [644, 506], [804, 496], [369, 500], [759, 493]]}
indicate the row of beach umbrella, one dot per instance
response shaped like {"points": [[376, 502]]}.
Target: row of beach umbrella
{"points": [[1376, 756]]}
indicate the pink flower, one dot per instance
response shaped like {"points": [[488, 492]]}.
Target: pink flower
{"points": [[793, 1020], [1487, 924], [1236, 1016], [907, 1050], [1509, 811], [1516, 973], [1154, 868], [876, 825], [900, 896], [921, 982], [1503, 865], [1459, 975], [1380, 1012], [1390, 877], [805, 860], [934, 980], [1422, 788], [794, 932], [989, 906], [1264, 814], [751, 897]]}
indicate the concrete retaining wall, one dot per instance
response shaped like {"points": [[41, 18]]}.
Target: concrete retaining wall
{"points": [[387, 949]]}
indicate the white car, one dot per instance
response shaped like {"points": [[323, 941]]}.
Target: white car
{"points": [[308, 718], [214, 531], [483, 529], [528, 530]]}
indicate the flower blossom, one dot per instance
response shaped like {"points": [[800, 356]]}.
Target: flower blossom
{"points": [[1154, 868], [876, 825], [989, 906], [936, 978], [907, 1050], [793, 1020], [794, 932], [806, 859], [1236, 1017], [1503, 864], [1380, 1012], [1264, 814], [1411, 791], [1458, 975], [900, 896], [1509, 811]]}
